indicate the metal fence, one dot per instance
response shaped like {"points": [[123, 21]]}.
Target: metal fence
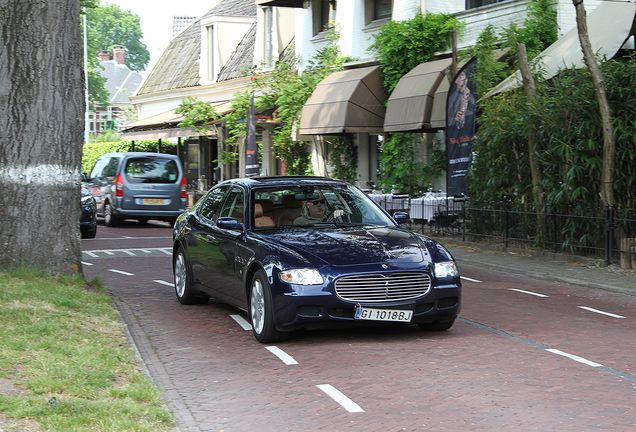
{"points": [[608, 233]]}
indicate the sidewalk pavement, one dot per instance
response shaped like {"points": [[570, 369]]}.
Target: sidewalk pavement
{"points": [[553, 267]]}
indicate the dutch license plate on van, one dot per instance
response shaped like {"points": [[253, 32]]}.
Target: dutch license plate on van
{"points": [[363, 313], [152, 201]]}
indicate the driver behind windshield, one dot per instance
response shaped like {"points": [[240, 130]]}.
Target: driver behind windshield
{"points": [[316, 211]]}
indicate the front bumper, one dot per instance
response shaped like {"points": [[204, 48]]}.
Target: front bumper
{"points": [[294, 310]]}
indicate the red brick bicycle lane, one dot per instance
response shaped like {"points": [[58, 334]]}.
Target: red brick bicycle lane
{"points": [[215, 376]]}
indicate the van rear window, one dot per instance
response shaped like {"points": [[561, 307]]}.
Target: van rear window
{"points": [[151, 170]]}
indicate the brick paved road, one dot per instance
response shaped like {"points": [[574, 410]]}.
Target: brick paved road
{"points": [[527, 360]]}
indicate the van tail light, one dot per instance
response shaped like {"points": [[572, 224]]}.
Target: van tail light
{"points": [[183, 187], [119, 185]]}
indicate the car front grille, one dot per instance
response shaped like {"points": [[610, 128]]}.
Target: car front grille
{"points": [[383, 288]]}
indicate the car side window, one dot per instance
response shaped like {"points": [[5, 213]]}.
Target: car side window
{"points": [[97, 168], [110, 168], [234, 205], [212, 202]]}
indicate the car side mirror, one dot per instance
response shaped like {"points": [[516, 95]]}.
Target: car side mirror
{"points": [[85, 177], [229, 223], [401, 217]]}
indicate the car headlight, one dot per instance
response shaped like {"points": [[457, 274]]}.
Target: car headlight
{"points": [[446, 269], [87, 199], [301, 277]]}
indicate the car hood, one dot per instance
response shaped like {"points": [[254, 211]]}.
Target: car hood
{"points": [[353, 246]]}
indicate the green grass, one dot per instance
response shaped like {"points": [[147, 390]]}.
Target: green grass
{"points": [[64, 339]]}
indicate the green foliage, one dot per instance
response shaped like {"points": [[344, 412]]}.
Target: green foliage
{"points": [[489, 71], [537, 33], [501, 144], [109, 136], [92, 151], [89, 4], [402, 45], [540, 29], [344, 158], [97, 93], [399, 166], [109, 26], [568, 129], [196, 115]]}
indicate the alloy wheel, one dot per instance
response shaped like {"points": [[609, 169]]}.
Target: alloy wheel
{"points": [[257, 306]]}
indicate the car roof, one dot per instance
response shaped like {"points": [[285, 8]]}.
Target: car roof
{"points": [[138, 154], [283, 181]]}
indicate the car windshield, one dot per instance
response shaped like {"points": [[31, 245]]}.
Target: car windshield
{"points": [[310, 206], [151, 170]]}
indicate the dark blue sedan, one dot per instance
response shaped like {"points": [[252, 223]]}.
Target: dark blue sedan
{"points": [[308, 252]]}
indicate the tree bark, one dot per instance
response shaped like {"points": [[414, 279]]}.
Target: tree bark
{"points": [[534, 147], [609, 145], [41, 122]]}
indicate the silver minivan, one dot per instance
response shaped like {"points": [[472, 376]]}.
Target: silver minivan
{"points": [[138, 186]]}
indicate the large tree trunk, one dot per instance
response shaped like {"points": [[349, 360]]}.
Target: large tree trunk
{"points": [[41, 126], [609, 146]]}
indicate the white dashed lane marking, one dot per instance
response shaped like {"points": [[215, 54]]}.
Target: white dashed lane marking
{"points": [[286, 358], [343, 400], [128, 252], [121, 272], [601, 312], [242, 322], [528, 292], [470, 280], [170, 284], [575, 358]]}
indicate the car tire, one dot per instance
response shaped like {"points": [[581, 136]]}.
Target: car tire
{"points": [[437, 325], [262, 312], [110, 220], [182, 281]]}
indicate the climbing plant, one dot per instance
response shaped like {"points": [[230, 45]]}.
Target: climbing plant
{"points": [[400, 168], [344, 158], [400, 46]]}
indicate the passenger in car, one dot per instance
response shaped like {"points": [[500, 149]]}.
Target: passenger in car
{"points": [[316, 211]]}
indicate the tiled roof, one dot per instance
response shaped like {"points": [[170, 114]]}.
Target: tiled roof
{"points": [[120, 81], [178, 66]]}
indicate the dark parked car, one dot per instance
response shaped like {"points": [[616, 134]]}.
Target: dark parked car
{"points": [[138, 186], [307, 252], [88, 219]]}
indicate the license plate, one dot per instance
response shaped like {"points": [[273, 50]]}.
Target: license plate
{"points": [[363, 313], [153, 200]]}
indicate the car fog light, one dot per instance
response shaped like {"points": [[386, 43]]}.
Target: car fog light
{"points": [[301, 277], [446, 269]]}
